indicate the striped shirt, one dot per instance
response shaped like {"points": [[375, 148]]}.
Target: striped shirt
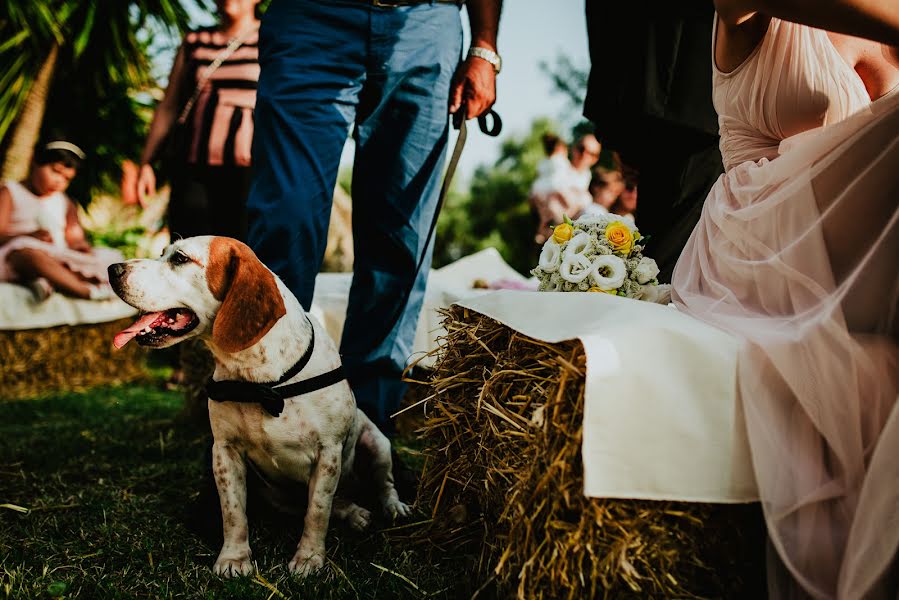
{"points": [[221, 120]]}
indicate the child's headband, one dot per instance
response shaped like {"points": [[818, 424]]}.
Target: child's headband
{"points": [[61, 145]]}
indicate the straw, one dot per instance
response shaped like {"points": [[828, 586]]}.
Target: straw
{"points": [[66, 358], [503, 479]]}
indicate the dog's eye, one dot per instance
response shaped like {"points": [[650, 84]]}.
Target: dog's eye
{"points": [[179, 258]]}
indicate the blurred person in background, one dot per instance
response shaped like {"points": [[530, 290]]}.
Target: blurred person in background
{"points": [[42, 243], [204, 127], [562, 185], [584, 155], [605, 186], [625, 204], [550, 195], [553, 169]]}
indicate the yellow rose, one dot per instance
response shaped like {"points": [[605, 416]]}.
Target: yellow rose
{"points": [[596, 289], [620, 237], [562, 233]]}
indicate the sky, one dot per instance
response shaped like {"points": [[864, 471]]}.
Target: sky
{"points": [[530, 31]]}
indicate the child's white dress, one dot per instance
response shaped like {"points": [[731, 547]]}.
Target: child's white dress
{"points": [[30, 213]]}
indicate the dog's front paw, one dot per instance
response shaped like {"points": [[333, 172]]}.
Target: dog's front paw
{"points": [[232, 567], [394, 508], [303, 564]]}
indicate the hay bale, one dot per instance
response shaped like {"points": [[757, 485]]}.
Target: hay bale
{"points": [[66, 358], [503, 478]]}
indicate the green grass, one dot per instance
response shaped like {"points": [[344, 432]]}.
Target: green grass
{"points": [[107, 477]]}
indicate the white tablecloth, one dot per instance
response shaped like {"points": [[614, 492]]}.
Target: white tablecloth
{"points": [[661, 420], [18, 310], [445, 286]]}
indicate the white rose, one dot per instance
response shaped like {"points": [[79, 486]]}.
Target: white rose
{"points": [[577, 246], [616, 272], [646, 270], [575, 268], [550, 256]]}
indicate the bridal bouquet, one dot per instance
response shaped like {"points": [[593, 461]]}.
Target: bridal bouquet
{"points": [[600, 253]]}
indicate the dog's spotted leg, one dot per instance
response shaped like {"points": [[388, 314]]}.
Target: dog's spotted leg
{"points": [[229, 469], [310, 554], [377, 444], [352, 514]]}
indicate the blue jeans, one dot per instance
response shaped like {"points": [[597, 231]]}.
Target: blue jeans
{"points": [[328, 65]]}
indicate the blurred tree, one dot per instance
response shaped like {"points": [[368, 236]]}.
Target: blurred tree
{"points": [[568, 80], [80, 61]]}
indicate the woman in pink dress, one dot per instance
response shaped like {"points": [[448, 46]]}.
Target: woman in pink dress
{"points": [[797, 254], [42, 244]]}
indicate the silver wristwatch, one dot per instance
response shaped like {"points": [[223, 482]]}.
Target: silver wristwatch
{"points": [[492, 57]]}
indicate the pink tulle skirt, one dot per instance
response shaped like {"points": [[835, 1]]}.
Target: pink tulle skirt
{"points": [[798, 257]]}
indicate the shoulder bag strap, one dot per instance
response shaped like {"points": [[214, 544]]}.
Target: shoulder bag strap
{"points": [[216, 63]]}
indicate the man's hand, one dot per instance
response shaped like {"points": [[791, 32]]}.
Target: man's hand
{"points": [[474, 87]]}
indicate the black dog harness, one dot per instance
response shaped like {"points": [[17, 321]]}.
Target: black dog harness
{"points": [[272, 395]]}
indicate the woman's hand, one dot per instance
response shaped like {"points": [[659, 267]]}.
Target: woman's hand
{"points": [[146, 184], [42, 235]]}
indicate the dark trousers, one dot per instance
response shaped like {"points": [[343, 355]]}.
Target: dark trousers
{"points": [[209, 200], [327, 68]]}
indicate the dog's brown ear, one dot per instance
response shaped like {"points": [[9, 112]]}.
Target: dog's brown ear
{"points": [[251, 302]]}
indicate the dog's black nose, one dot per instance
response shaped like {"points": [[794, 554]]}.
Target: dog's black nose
{"points": [[116, 270]]}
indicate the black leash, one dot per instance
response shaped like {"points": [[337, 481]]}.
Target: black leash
{"points": [[458, 123], [272, 395]]}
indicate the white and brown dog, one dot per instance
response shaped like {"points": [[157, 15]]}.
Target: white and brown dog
{"points": [[216, 288]]}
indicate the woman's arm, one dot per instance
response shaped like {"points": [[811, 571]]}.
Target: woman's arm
{"points": [[167, 111], [872, 19], [5, 214], [75, 238], [163, 119]]}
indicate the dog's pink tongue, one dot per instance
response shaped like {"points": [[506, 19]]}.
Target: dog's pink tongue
{"points": [[126, 335]]}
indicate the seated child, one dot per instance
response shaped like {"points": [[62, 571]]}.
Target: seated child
{"points": [[558, 191], [42, 244]]}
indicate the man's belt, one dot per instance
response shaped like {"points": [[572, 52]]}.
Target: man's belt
{"points": [[399, 3]]}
